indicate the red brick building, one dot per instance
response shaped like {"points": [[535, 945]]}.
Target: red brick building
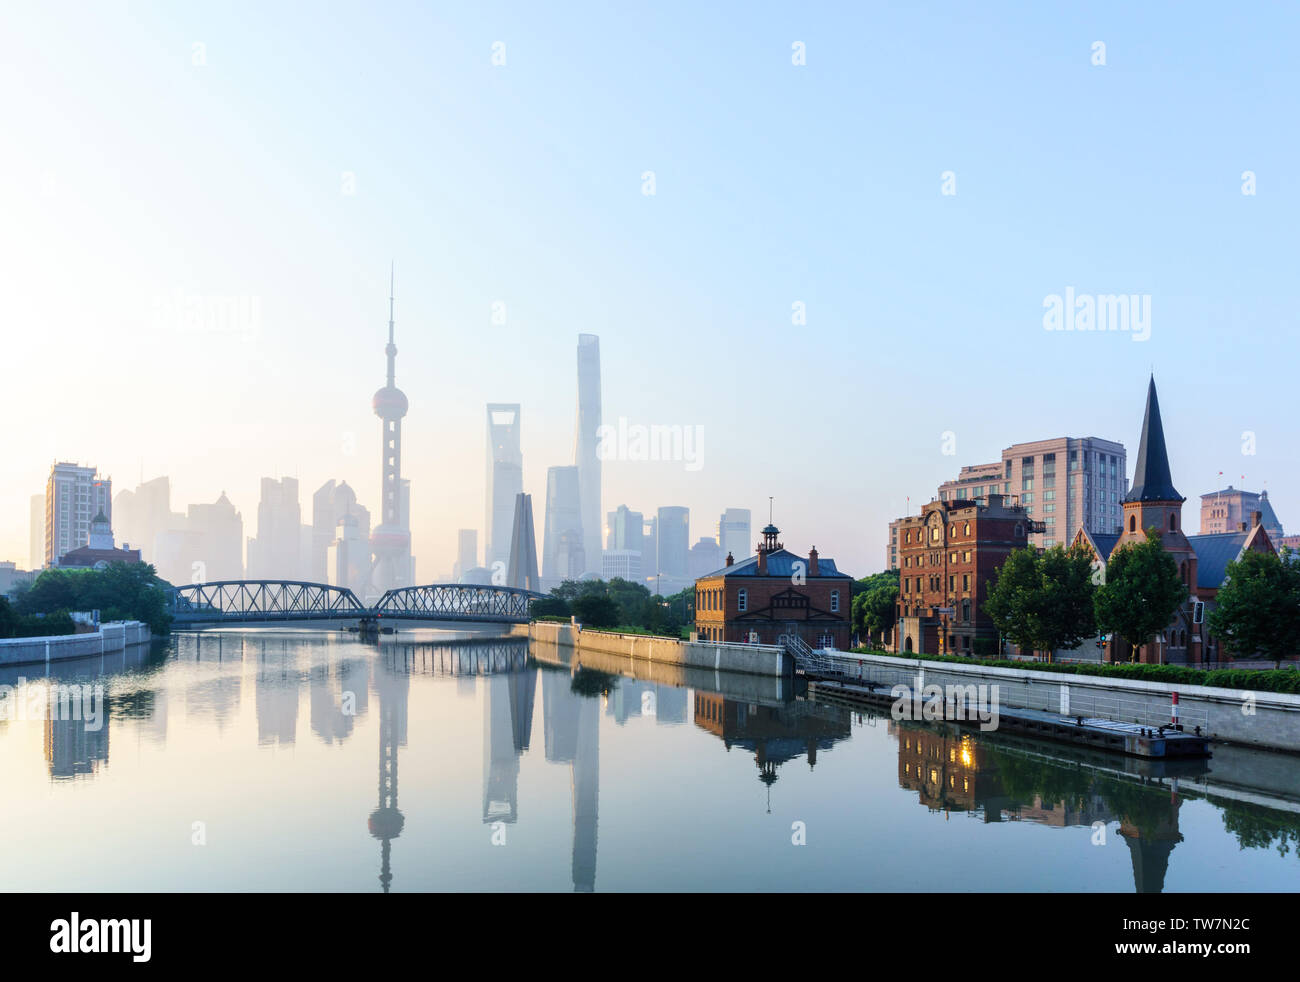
{"points": [[1154, 503], [775, 594], [948, 556]]}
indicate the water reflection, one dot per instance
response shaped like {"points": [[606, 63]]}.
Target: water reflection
{"points": [[773, 734], [198, 682]]}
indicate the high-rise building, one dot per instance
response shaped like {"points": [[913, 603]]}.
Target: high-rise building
{"points": [[650, 552], [219, 529], [348, 556], [586, 445], [1231, 509], [622, 563], [390, 542], [276, 552], [466, 553], [674, 528], [733, 534], [625, 530], [1064, 484], [563, 521], [144, 515], [522, 570], [329, 505], [705, 557], [505, 479], [36, 549], [74, 496]]}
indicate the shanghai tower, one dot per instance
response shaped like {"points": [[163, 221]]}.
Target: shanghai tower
{"points": [[585, 455], [390, 542]]}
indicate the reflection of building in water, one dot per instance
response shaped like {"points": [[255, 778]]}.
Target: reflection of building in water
{"points": [[331, 687], [631, 698], [277, 695], [1150, 842], [775, 734], [507, 727], [392, 689], [71, 750], [949, 770], [670, 704], [952, 771], [571, 725]]}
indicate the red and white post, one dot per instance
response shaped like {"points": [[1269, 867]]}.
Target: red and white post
{"points": [[1173, 708]]}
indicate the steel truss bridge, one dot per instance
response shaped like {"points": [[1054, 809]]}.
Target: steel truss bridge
{"points": [[275, 601]]}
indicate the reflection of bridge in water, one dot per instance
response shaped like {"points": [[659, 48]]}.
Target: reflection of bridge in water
{"points": [[282, 601]]}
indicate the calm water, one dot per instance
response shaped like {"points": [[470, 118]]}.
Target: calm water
{"points": [[316, 762]]}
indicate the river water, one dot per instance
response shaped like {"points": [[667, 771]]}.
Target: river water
{"points": [[281, 760]]}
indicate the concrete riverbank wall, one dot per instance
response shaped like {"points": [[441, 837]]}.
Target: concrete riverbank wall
{"points": [[745, 659], [1257, 719], [109, 639], [547, 647]]}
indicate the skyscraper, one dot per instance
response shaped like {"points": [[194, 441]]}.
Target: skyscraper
{"points": [[74, 496], [466, 553], [563, 521], [390, 543], [733, 533], [331, 502], [625, 529], [276, 553], [674, 546], [36, 550], [505, 479], [522, 570], [585, 456]]}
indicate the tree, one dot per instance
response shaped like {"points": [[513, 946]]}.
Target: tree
{"points": [[121, 591], [876, 609], [1044, 601], [1141, 592], [596, 610], [1257, 611]]}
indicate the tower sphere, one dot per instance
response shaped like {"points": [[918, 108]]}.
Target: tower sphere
{"points": [[389, 403]]}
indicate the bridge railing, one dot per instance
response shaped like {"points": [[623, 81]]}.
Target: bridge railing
{"points": [[290, 600]]}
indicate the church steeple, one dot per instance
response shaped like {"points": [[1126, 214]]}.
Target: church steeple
{"points": [[1151, 479]]}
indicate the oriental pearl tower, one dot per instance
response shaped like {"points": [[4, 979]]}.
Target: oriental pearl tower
{"points": [[390, 542]]}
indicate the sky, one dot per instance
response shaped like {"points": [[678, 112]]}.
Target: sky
{"points": [[802, 288]]}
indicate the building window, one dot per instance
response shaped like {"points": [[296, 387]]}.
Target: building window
{"points": [[966, 530], [835, 601], [1173, 525], [1132, 523], [742, 601]]}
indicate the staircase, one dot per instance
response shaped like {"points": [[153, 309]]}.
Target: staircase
{"points": [[809, 661]]}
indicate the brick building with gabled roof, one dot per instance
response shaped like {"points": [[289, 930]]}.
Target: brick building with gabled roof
{"points": [[775, 594]]}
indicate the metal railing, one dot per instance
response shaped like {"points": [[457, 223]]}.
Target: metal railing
{"points": [[1015, 694]]}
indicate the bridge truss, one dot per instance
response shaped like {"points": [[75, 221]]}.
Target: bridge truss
{"points": [[235, 601]]}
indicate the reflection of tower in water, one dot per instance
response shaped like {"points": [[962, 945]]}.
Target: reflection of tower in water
{"points": [[392, 684], [507, 727], [572, 728]]}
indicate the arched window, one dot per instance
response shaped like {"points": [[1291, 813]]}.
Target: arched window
{"points": [[1132, 523], [966, 530]]}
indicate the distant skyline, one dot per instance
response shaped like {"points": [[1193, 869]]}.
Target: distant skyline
{"points": [[798, 287]]}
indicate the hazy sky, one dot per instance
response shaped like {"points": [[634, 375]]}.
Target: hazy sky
{"points": [[155, 154]]}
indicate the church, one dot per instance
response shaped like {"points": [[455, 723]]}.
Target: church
{"points": [[1202, 560]]}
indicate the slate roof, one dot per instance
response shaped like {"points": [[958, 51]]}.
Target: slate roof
{"points": [[779, 564], [1151, 480], [1213, 553]]}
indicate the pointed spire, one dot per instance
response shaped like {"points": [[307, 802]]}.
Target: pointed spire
{"points": [[1151, 480]]}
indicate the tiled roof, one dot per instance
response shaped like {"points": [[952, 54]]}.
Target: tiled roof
{"points": [[779, 564]]}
